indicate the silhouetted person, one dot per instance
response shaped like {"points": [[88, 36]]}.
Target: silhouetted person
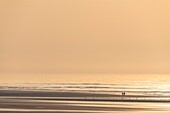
{"points": [[123, 93]]}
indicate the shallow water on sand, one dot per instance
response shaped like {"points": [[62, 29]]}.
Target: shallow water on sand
{"points": [[116, 89], [39, 106], [143, 94]]}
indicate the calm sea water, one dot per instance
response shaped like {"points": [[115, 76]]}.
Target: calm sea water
{"points": [[113, 84]]}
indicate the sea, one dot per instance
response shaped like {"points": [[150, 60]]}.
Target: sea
{"points": [[99, 94]]}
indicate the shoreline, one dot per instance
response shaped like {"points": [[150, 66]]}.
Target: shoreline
{"points": [[78, 96]]}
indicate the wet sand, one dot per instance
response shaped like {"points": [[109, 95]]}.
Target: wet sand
{"points": [[78, 96], [13, 101], [38, 106]]}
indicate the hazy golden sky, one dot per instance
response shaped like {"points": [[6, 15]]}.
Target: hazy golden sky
{"points": [[85, 36]]}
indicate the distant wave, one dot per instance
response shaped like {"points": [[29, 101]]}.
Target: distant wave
{"points": [[90, 88]]}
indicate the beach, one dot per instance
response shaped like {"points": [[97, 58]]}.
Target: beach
{"points": [[23, 100]]}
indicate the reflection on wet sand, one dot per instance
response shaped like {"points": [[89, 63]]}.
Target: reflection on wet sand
{"points": [[55, 102], [21, 105], [83, 98]]}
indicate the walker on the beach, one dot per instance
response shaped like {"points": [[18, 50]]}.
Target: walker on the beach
{"points": [[123, 93]]}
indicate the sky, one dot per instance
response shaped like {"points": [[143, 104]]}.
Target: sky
{"points": [[84, 36]]}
